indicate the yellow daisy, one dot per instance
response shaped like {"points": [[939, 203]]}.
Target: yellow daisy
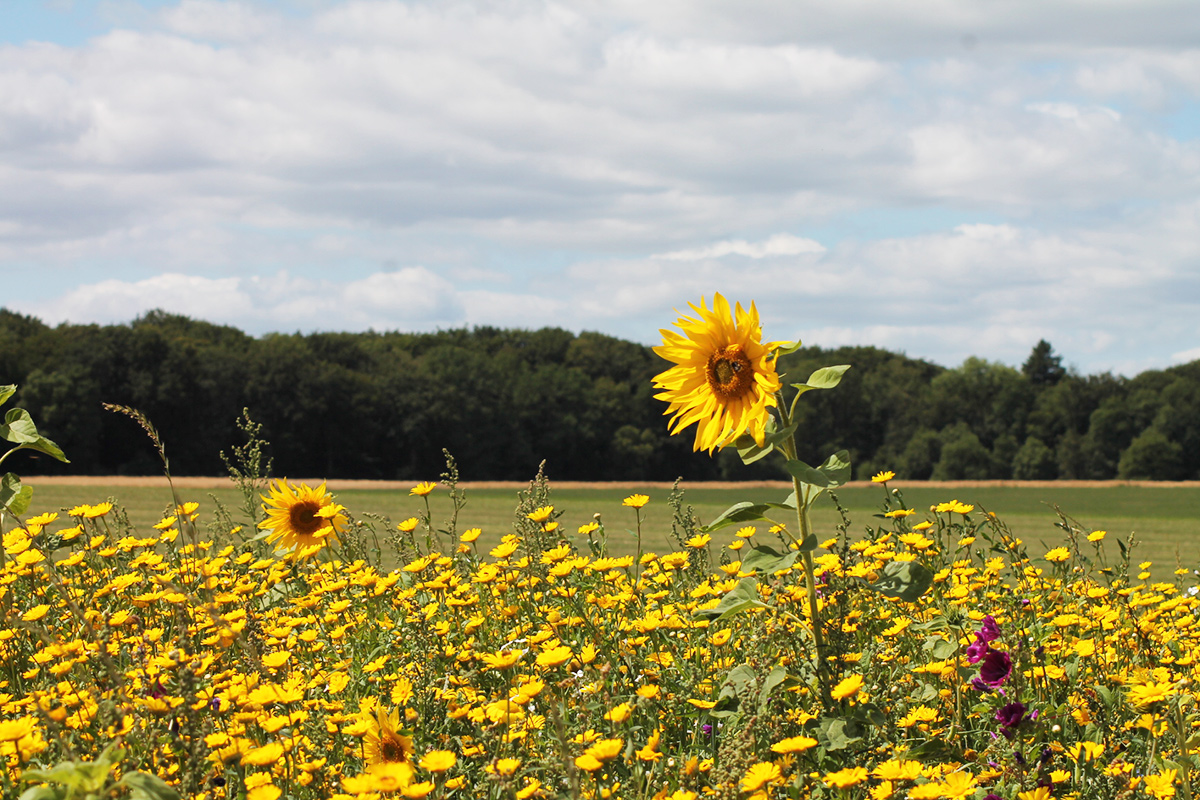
{"points": [[724, 377], [301, 517]]}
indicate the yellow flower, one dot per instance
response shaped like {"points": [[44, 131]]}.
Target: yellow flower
{"points": [[1150, 693], [470, 535], [883, 477], [759, 775], [724, 377], [541, 515], [1097, 536], [297, 517], [269, 753], [438, 760], [423, 488], [699, 540], [618, 713], [635, 501], [845, 778], [554, 656], [383, 743], [1162, 785], [794, 744], [1058, 555], [847, 687]]}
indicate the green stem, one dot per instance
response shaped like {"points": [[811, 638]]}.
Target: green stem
{"points": [[810, 580]]}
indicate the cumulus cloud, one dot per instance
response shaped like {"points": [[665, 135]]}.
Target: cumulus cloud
{"points": [[378, 163]]}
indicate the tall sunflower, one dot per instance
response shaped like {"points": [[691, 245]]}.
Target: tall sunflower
{"points": [[301, 517], [383, 743], [724, 377]]}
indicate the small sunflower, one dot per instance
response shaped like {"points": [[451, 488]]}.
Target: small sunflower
{"points": [[383, 743], [301, 517], [724, 377]]}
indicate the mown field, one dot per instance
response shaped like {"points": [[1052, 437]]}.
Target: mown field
{"points": [[1163, 518]]}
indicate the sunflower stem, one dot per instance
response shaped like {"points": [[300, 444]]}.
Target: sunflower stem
{"points": [[810, 582]]}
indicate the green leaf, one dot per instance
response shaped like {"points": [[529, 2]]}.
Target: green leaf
{"points": [[737, 680], [13, 495], [906, 580], [7, 392], [143, 786], [809, 544], [787, 348], [43, 792], [765, 560], [18, 427], [940, 648], [824, 378], [750, 451], [775, 677], [806, 474], [740, 598], [837, 468], [44, 445], [742, 512], [827, 377], [837, 734]]}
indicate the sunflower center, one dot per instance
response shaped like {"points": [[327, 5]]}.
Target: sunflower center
{"points": [[303, 517], [729, 373], [391, 750]]}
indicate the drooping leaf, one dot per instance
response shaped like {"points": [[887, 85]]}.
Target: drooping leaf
{"points": [[44, 445], [906, 580], [787, 348], [7, 392], [766, 560], [809, 544], [750, 451]]}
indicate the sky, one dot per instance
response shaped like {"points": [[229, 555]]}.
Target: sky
{"points": [[945, 178]]}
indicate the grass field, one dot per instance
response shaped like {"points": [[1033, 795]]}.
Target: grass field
{"points": [[1164, 519]]}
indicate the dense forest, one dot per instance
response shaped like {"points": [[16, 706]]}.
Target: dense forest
{"points": [[383, 405]]}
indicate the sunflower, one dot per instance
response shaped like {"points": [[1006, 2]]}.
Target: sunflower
{"points": [[301, 517], [724, 377], [383, 743]]}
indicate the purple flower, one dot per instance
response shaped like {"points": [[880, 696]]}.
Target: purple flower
{"points": [[996, 667], [977, 650], [989, 631], [1009, 717]]}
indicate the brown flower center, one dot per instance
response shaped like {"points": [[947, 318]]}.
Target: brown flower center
{"points": [[392, 750], [729, 373], [303, 517]]}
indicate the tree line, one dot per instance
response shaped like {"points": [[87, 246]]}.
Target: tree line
{"points": [[385, 404]]}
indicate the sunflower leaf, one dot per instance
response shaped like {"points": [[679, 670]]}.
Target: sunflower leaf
{"points": [[766, 560], [806, 474], [18, 427], [7, 392], [742, 512], [740, 598], [787, 348], [750, 451], [827, 377], [14, 496]]}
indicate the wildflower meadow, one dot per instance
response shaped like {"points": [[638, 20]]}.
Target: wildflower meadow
{"points": [[272, 651]]}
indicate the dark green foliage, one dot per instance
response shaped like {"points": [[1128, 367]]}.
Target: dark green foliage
{"points": [[383, 405], [1034, 461]]}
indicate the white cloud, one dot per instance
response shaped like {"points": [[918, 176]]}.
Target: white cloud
{"points": [[599, 164]]}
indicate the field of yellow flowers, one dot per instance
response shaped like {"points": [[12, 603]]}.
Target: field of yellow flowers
{"points": [[228, 668], [921, 655]]}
